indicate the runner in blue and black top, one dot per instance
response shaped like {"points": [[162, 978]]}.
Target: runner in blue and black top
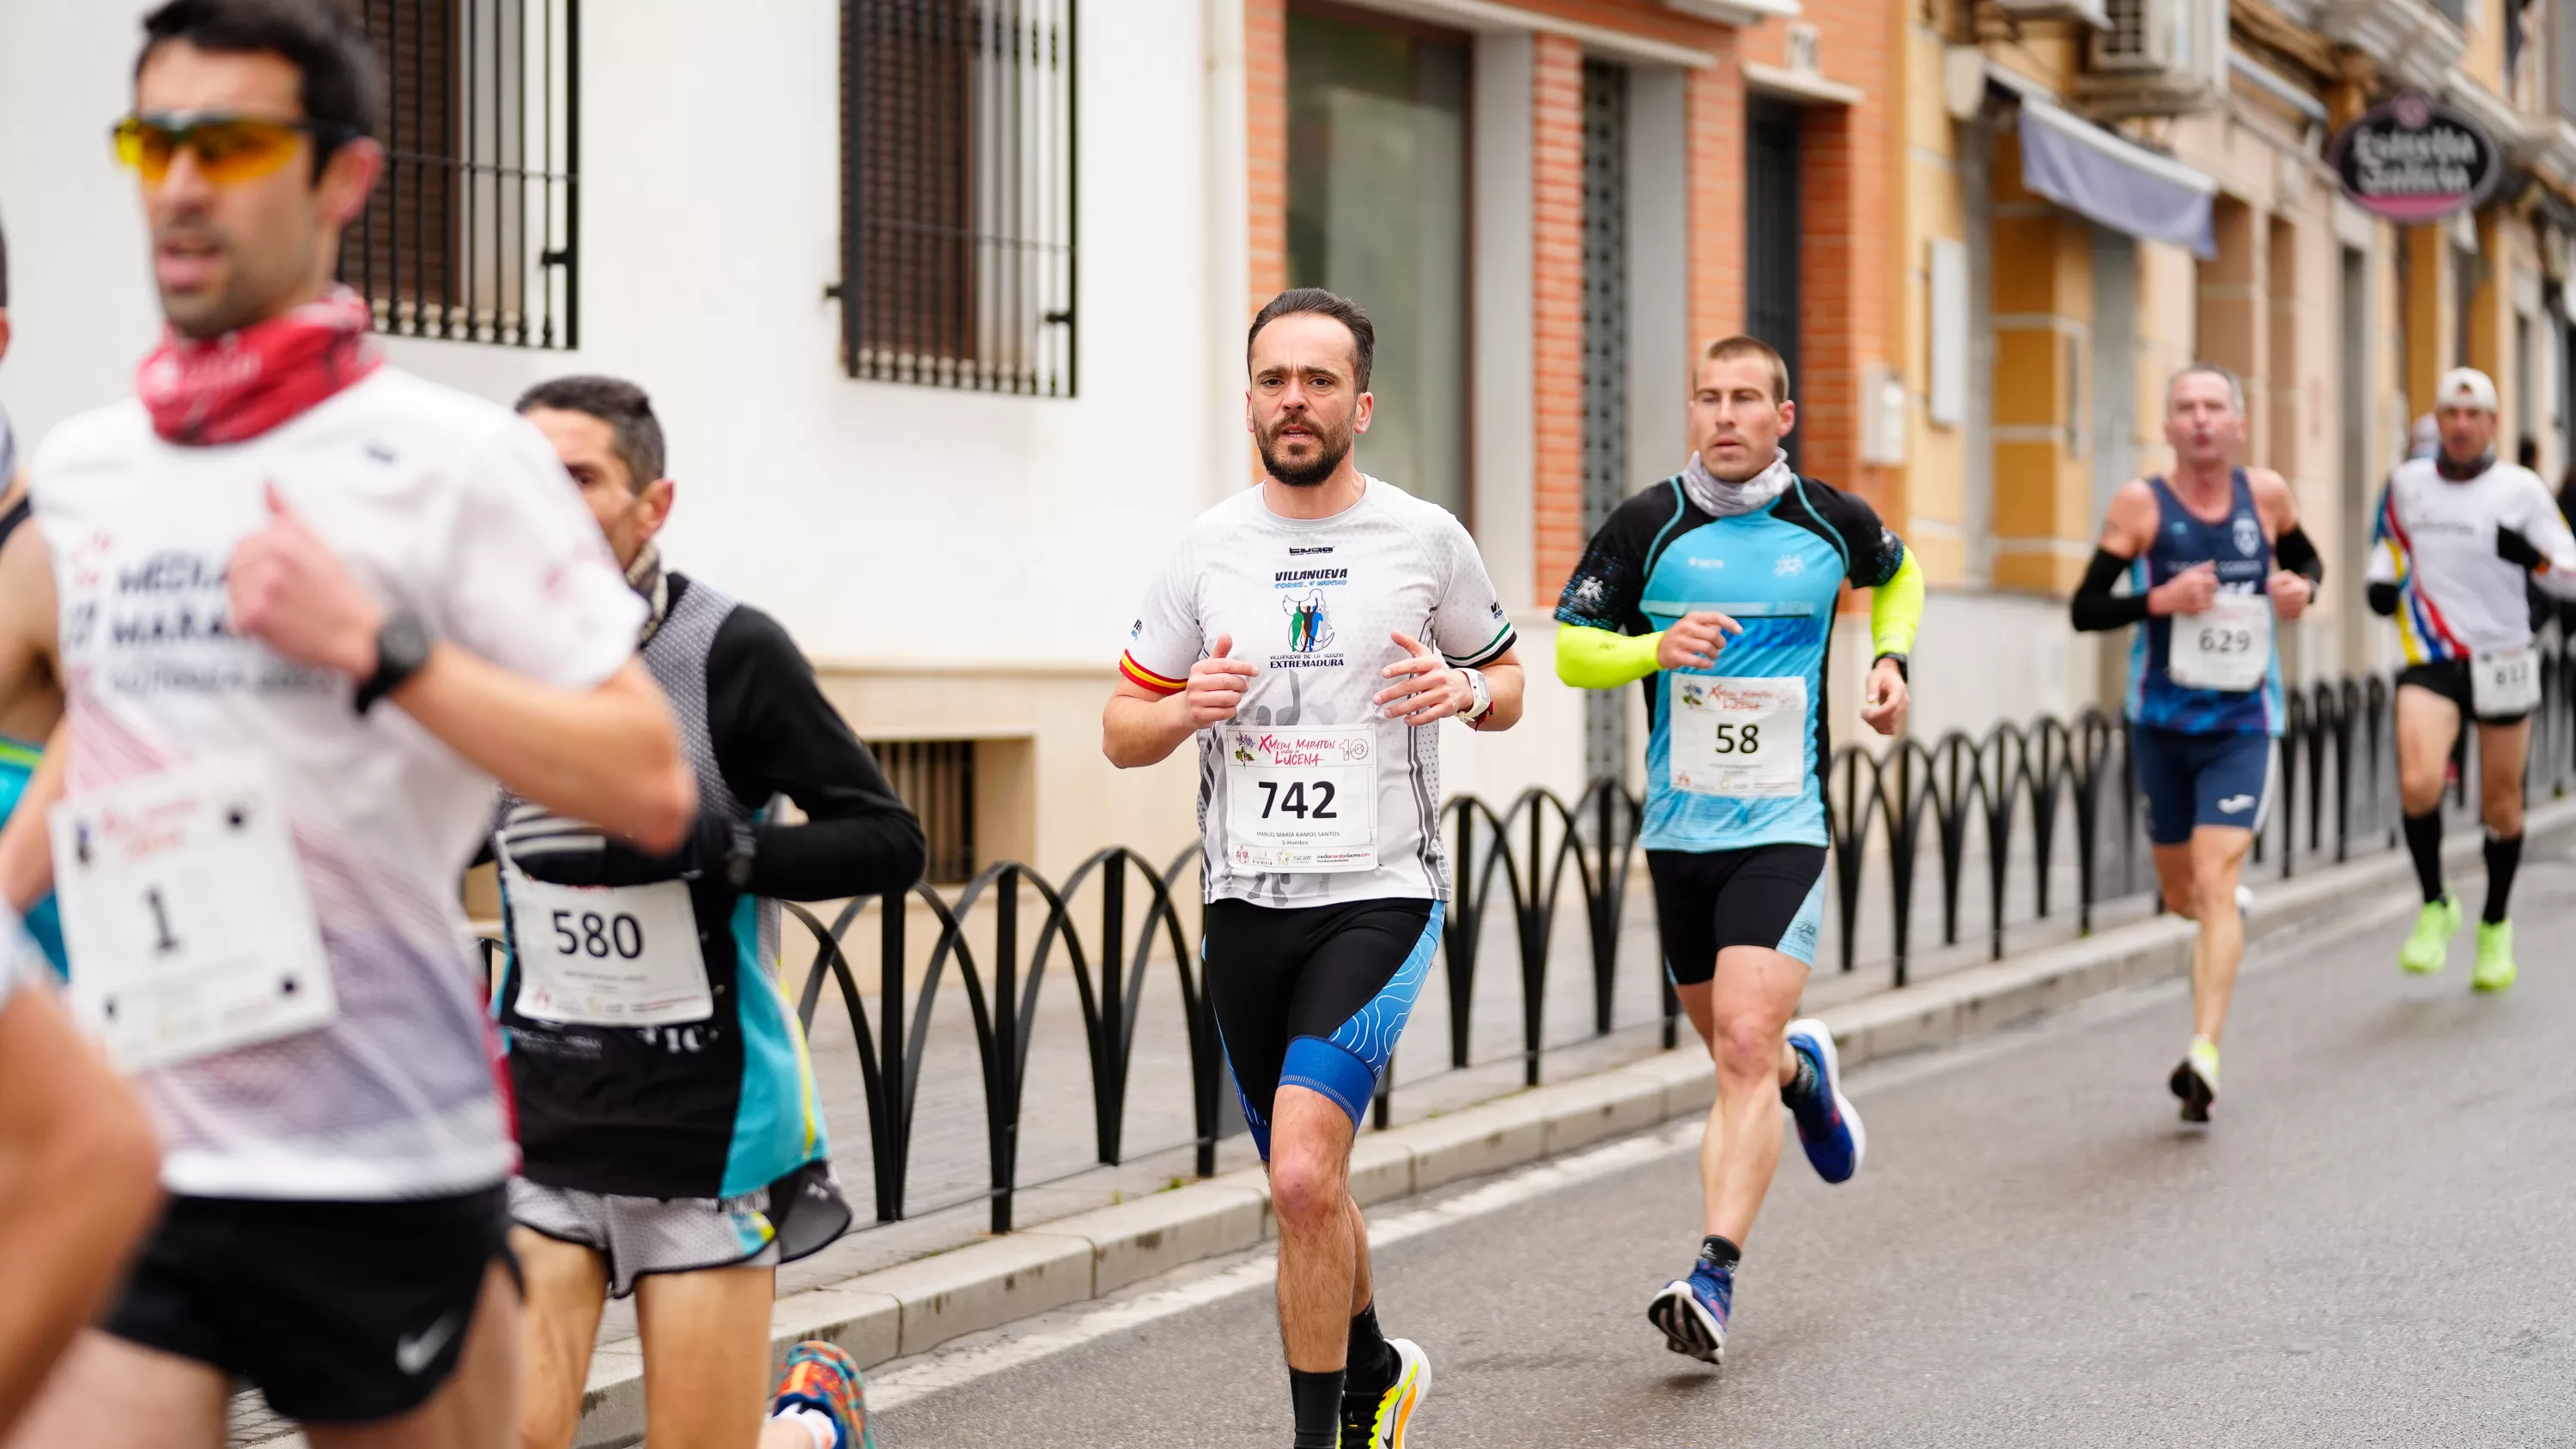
{"points": [[2213, 554], [1717, 588]]}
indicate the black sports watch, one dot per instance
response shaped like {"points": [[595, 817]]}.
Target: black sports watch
{"points": [[1901, 671], [402, 647]]}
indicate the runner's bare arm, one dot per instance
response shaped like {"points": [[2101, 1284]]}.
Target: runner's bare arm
{"points": [[2129, 524], [1143, 724], [609, 755], [26, 851], [27, 623], [83, 1184], [1507, 682]]}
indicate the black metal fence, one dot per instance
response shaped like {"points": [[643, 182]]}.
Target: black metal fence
{"points": [[2048, 798]]}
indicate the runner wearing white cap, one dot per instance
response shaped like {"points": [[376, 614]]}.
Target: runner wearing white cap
{"points": [[2458, 537]]}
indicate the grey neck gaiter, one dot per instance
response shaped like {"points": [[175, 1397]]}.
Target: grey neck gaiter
{"points": [[1715, 496]]}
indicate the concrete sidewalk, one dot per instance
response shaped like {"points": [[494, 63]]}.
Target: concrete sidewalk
{"points": [[907, 1307]]}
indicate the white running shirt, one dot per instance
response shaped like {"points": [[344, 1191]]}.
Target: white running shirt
{"points": [[1313, 603], [2436, 540], [435, 500]]}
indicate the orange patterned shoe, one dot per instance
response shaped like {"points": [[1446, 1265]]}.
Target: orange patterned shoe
{"points": [[821, 1377]]}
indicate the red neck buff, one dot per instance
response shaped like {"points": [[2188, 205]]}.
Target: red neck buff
{"points": [[244, 383]]}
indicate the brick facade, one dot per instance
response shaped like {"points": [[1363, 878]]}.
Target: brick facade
{"points": [[1556, 293], [1849, 217]]}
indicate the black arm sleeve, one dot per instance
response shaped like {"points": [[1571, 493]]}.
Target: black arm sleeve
{"points": [[2096, 608], [2297, 554], [2382, 597], [1605, 588], [1876, 553], [775, 734]]}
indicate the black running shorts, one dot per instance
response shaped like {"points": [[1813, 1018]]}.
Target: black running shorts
{"points": [[340, 1312], [1315, 996], [2449, 678], [1772, 896]]}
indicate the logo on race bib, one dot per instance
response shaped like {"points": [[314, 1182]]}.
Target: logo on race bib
{"points": [[2249, 539], [1309, 627]]}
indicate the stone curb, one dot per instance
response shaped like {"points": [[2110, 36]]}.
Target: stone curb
{"points": [[905, 1310]]}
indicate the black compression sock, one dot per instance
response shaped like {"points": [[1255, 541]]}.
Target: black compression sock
{"points": [[1717, 1252], [1369, 1366], [2424, 842], [1318, 1400], [2504, 856]]}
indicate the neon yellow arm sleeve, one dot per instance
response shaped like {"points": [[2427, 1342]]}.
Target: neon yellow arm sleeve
{"points": [[1589, 658], [1895, 611]]}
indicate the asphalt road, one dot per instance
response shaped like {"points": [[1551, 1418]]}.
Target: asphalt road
{"points": [[2375, 1243]]}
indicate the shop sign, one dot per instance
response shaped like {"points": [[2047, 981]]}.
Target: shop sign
{"points": [[2413, 159]]}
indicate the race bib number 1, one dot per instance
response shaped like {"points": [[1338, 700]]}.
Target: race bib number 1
{"points": [[2505, 683], [1301, 799], [2226, 646], [1738, 737], [185, 909]]}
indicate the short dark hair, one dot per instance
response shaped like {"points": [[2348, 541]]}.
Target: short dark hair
{"points": [[2526, 452], [330, 53], [1741, 346], [1322, 304], [635, 435]]}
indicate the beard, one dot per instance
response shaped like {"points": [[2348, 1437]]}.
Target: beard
{"points": [[1330, 449]]}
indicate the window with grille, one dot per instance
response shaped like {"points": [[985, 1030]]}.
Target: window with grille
{"points": [[937, 779], [957, 193], [471, 234]]}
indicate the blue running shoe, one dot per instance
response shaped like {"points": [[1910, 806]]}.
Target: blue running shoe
{"points": [[1692, 1312], [1827, 1126]]}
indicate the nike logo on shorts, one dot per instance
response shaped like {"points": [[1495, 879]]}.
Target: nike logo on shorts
{"points": [[413, 1351], [2235, 803]]}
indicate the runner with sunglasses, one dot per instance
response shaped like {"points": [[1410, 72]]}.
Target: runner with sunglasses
{"points": [[1716, 588], [311, 609], [672, 1144], [2460, 538], [1363, 616]]}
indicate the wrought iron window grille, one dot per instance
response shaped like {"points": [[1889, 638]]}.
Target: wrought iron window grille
{"points": [[958, 193], [473, 234]]}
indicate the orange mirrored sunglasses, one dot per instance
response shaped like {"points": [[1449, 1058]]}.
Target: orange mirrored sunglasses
{"points": [[229, 148]]}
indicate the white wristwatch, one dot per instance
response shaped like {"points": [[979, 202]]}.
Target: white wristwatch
{"points": [[1483, 703]]}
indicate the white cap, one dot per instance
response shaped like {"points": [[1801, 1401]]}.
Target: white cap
{"points": [[2466, 387]]}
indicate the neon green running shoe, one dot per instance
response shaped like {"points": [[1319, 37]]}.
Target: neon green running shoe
{"points": [[2495, 957], [2428, 947], [2196, 1080]]}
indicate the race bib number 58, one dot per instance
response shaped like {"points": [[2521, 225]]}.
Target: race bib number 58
{"points": [[1738, 737]]}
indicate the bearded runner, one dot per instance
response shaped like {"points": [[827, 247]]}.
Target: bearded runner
{"points": [[1308, 636]]}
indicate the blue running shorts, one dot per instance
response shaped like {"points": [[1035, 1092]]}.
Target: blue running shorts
{"points": [[2191, 780]]}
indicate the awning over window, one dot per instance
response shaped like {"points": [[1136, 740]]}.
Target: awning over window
{"points": [[2118, 183]]}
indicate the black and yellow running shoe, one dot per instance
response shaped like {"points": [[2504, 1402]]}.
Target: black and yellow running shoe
{"points": [[1379, 1422]]}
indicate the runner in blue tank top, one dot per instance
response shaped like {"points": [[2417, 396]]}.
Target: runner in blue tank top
{"points": [[2214, 556]]}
